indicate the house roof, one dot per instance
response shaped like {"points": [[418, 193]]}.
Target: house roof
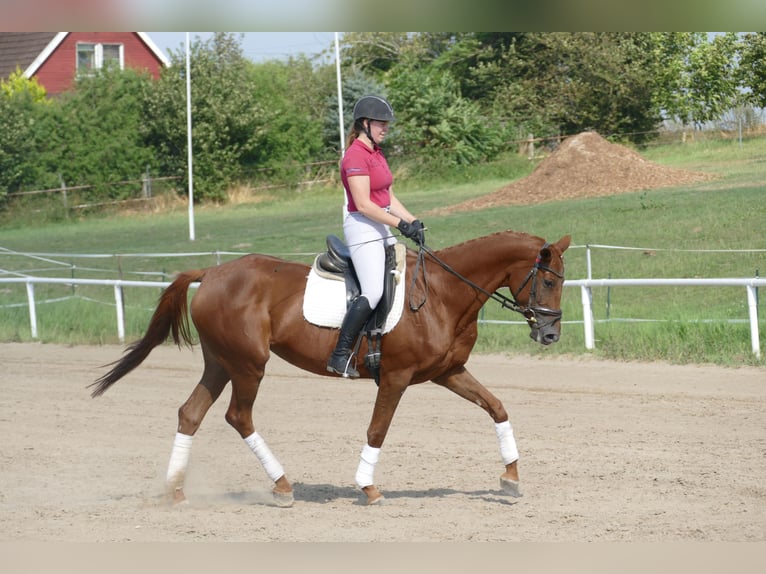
{"points": [[29, 50], [20, 49]]}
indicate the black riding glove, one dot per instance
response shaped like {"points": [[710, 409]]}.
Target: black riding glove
{"points": [[415, 231]]}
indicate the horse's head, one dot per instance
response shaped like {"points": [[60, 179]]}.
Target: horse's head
{"points": [[539, 292]]}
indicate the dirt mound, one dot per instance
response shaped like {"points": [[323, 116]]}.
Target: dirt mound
{"points": [[585, 165]]}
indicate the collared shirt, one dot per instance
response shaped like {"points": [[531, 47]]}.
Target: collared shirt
{"points": [[361, 160]]}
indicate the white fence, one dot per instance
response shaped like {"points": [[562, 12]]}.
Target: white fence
{"points": [[750, 284], [586, 285]]}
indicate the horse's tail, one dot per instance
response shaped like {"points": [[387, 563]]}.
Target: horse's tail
{"points": [[170, 316]]}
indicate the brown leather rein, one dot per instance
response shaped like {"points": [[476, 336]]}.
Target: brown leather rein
{"points": [[530, 312]]}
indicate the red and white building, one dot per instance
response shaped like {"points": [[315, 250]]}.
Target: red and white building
{"points": [[56, 58]]}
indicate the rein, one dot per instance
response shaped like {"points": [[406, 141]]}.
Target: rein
{"points": [[529, 312]]}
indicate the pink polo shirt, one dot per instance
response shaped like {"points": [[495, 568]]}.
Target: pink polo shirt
{"points": [[361, 160]]}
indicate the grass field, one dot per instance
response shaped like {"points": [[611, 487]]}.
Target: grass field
{"points": [[678, 231]]}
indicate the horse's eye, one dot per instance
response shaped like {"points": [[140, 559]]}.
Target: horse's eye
{"points": [[548, 283]]}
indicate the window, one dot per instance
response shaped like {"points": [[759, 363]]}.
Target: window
{"points": [[91, 57]]}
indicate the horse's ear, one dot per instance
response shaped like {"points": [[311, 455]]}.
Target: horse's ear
{"points": [[563, 243]]}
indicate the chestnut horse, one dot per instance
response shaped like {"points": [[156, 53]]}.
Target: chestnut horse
{"points": [[246, 308]]}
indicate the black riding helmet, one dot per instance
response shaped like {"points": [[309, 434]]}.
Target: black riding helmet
{"points": [[372, 108]]}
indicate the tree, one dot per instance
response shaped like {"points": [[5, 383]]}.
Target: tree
{"points": [[227, 119], [17, 84], [433, 119], [292, 98], [22, 104], [436, 122], [356, 84], [91, 135], [698, 77], [571, 82], [752, 67]]}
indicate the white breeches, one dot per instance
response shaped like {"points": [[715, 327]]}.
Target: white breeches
{"points": [[367, 240]]}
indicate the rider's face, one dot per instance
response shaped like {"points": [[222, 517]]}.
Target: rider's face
{"points": [[378, 129]]}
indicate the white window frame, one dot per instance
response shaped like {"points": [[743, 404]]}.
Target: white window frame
{"points": [[98, 49]]}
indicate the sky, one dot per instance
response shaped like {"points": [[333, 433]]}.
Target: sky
{"points": [[257, 46]]}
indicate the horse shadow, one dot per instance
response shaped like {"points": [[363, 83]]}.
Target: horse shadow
{"points": [[329, 493]]}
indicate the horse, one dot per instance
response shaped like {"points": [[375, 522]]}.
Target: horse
{"points": [[249, 307]]}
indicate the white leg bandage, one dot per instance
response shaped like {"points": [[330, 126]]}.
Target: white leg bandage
{"points": [[268, 460], [508, 450], [179, 459], [367, 462]]}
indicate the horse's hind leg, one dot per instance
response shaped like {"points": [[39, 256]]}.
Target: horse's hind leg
{"points": [[190, 415], [239, 415]]}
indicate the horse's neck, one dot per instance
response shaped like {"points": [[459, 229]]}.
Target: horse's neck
{"points": [[486, 260]]}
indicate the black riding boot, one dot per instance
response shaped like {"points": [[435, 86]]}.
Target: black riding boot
{"points": [[356, 316]]}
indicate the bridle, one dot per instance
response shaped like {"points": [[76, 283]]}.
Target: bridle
{"points": [[531, 312]]}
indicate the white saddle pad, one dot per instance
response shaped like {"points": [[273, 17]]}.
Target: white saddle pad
{"points": [[324, 302]]}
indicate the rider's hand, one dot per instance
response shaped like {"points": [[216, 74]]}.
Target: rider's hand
{"points": [[415, 231]]}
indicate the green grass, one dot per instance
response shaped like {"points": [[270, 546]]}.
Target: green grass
{"points": [[691, 323]]}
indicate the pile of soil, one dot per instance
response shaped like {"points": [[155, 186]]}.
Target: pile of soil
{"points": [[585, 165]]}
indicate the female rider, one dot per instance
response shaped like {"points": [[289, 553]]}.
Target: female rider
{"points": [[372, 208]]}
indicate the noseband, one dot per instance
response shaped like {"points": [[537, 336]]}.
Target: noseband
{"points": [[531, 312]]}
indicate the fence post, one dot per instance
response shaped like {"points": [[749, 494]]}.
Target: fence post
{"points": [[120, 312], [146, 184], [608, 298], [64, 197], [587, 316], [753, 312], [32, 309]]}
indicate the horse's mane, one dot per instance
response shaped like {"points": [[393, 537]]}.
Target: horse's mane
{"points": [[514, 235]]}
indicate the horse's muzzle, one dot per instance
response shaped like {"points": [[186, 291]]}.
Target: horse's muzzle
{"points": [[545, 325]]}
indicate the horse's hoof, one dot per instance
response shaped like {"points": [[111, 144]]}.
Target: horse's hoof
{"points": [[373, 495], [510, 487], [177, 497], [380, 500], [283, 499]]}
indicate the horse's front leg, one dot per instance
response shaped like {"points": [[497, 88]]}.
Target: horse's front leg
{"points": [[386, 401], [464, 384]]}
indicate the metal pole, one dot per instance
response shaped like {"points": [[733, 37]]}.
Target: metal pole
{"points": [[340, 116], [189, 140]]}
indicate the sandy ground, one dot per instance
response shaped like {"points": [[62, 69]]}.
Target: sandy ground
{"points": [[609, 452]]}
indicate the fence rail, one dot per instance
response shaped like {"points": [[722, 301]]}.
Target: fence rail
{"points": [[585, 285]]}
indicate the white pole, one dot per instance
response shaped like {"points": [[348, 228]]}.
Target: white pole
{"points": [[340, 95], [189, 140], [340, 114], [32, 309], [587, 317], [752, 305], [118, 303]]}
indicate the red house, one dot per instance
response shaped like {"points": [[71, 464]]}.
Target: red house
{"points": [[55, 58]]}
